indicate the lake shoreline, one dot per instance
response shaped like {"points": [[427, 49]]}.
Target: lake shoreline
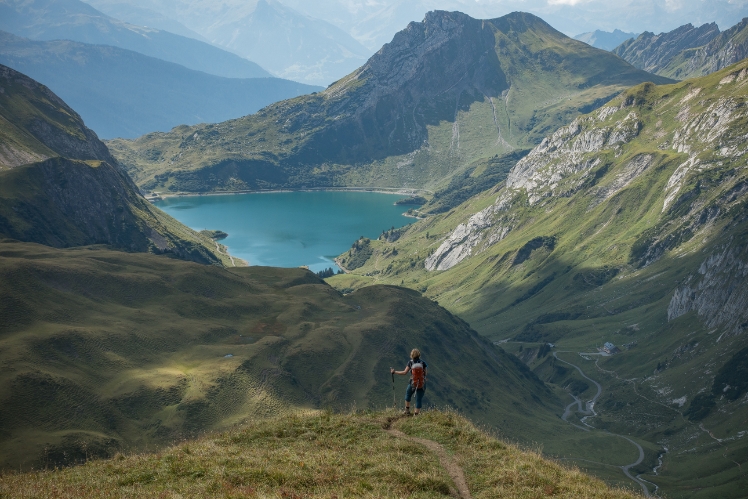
{"points": [[379, 190], [289, 229]]}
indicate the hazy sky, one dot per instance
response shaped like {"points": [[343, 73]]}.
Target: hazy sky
{"points": [[375, 21]]}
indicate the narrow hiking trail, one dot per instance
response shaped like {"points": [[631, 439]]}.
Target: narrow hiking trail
{"points": [[218, 249], [448, 463], [589, 411]]}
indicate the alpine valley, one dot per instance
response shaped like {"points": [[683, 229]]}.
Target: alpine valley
{"points": [[576, 280], [623, 232]]}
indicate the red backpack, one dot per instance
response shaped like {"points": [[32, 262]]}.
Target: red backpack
{"points": [[418, 374]]}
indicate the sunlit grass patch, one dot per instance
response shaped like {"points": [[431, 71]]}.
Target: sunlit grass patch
{"points": [[317, 454]]}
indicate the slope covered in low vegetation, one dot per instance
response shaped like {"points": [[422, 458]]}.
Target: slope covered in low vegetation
{"points": [[106, 351], [324, 455]]}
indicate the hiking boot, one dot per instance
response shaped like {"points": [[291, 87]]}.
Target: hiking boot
{"points": [[407, 413]]}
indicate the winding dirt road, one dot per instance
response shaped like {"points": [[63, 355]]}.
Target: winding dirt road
{"points": [[589, 411]]}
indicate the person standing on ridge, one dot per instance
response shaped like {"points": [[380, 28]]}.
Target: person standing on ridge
{"points": [[417, 384]]}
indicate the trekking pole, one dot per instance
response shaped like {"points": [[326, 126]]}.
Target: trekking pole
{"points": [[394, 402]]}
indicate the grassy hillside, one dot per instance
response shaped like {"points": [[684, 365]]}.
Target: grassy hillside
{"points": [[121, 93], [445, 93], [626, 226], [315, 454], [107, 351], [35, 124], [60, 186]]}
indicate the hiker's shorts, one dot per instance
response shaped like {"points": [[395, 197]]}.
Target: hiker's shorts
{"points": [[419, 394]]}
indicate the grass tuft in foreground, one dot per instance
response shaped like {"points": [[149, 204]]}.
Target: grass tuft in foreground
{"points": [[319, 454]]}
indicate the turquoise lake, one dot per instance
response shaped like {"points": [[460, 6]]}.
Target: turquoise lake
{"points": [[290, 229]]}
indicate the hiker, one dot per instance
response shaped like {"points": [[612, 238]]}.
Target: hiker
{"points": [[417, 383]]}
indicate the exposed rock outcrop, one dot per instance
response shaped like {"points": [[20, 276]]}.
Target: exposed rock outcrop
{"points": [[717, 292], [653, 53], [545, 172], [706, 131], [687, 52]]}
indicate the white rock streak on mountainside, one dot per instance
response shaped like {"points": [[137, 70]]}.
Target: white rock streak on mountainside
{"points": [[566, 152], [552, 168], [704, 129]]}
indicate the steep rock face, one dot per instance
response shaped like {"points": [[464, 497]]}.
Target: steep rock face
{"points": [[543, 173], [384, 107], [717, 292], [729, 47], [63, 203], [653, 53]]}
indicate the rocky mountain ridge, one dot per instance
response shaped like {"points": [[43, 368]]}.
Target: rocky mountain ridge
{"points": [[687, 51], [444, 93]]}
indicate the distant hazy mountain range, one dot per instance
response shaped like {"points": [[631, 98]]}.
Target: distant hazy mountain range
{"points": [[443, 94], [121, 93], [290, 44], [284, 41], [604, 39], [78, 21], [687, 51], [143, 16]]}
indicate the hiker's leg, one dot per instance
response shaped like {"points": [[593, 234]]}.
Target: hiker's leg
{"points": [[419, 398], [408, 395]]}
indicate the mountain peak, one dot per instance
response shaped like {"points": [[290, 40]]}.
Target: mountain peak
{"points": [[520, 22]]}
